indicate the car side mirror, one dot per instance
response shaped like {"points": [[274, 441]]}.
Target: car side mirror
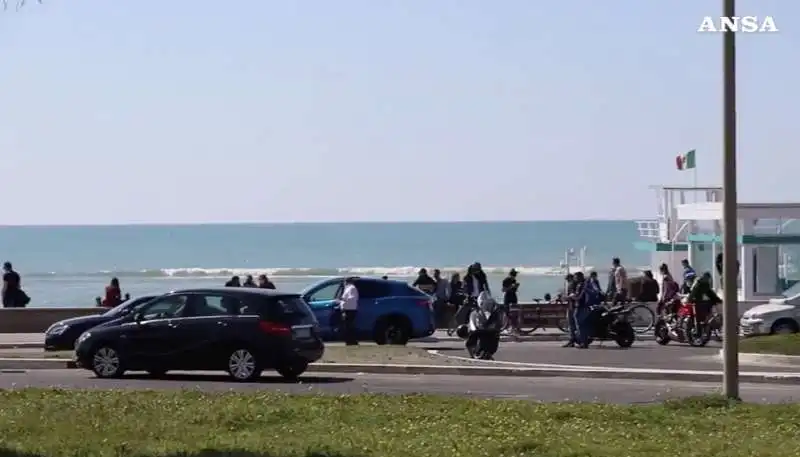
{"points": [[138, 318]]}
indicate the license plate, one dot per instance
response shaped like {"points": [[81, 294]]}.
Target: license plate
{"points": [[302, 332]]}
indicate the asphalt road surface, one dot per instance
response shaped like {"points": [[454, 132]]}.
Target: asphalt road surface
{"points": [[540, 389], [643, 354]]}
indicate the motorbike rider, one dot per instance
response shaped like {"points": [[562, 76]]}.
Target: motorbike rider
{"points": [[485, 328], [703, 296], [669, 292]]}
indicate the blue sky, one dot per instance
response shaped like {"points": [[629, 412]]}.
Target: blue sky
{"points": [[350, 110]]}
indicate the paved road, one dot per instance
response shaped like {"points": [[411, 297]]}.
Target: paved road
{"points": [[643, 354], [540, 389]]}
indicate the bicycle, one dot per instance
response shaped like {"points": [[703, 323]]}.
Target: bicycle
{"points": [[643, 318], [533, 317]]}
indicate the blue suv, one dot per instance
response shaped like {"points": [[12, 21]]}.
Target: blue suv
{"points": [[389, 312]]}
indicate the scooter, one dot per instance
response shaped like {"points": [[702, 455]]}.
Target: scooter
{"points": [[482, 332]]}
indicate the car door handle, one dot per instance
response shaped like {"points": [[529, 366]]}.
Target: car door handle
{"points": [[170, 325], [222, 324]]}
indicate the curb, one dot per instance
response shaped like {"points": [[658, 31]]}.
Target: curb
{"points": [[27, 345], [550, 372], [20, 365], [755, 358]]}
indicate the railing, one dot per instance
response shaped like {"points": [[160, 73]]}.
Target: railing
{"points": [[650, 229]]}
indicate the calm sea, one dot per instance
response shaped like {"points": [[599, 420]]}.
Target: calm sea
{"points": [[69, 266]]}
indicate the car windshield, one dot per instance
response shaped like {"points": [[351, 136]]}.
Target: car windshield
{"points": [[125, 306], [793, 291]]}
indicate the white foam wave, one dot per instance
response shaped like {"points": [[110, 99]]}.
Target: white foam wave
{"points": [[396, 271]]}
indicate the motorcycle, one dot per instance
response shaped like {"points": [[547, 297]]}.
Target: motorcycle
{"points": [[611, 324], [482, 332], [683, 327]]}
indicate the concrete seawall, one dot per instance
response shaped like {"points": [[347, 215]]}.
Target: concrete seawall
{"points": [[36, 320]]}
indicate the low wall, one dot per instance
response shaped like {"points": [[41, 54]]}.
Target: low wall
{"points": [[36, 320]]}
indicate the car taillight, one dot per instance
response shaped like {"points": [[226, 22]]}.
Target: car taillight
{"points": [[274, 328], [426, 303]]}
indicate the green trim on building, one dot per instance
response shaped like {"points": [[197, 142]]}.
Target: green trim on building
{"points": [[661, 247], [770, 239], [746, 239]]}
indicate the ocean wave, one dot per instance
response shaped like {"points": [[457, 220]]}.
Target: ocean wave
{"points": [[197, 272]]}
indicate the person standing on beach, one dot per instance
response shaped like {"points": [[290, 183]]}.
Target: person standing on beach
{"points": [[248, 281], [13, 295], [265, 283], [348, 303], [234, 282]]}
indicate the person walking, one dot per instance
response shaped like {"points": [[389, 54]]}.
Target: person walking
{"points": [[348, 303]]}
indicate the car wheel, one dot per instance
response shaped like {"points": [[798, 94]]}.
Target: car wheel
{"points": [[784, 326], [393, 331], [292, 371], [107, 362], [243, 365]]}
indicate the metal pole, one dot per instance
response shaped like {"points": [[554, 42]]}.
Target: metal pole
{"points": [[730, 345]]}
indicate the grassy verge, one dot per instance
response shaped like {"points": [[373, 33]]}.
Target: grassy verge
{"points": [[53, 423], [333, 354], [772, 344]]}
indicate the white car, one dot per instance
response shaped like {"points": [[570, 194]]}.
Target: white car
{"points": [[779, 315]]}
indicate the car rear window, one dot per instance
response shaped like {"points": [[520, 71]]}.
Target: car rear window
{"points": [[288, 308], [373, 289]]}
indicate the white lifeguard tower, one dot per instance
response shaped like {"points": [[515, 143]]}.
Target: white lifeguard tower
{"points": [[688, 225]]}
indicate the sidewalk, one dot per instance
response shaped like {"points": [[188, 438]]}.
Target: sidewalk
{"points": [[21, 340]]}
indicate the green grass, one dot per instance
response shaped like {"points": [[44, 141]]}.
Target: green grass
{"points": [[59, 423], [773, 344]]}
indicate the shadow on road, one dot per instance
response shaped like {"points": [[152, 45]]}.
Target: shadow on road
{"points": [[5, 452], [226, 378]]}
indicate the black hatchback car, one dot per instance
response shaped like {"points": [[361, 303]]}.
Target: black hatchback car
{"points": [[240, 330], [61, 336]]}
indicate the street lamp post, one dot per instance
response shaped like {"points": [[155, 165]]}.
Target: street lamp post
{"points": [[730, 219]]}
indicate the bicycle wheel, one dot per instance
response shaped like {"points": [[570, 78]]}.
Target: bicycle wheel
{"points": [[563, 325], [643, 318], [524, 329]]}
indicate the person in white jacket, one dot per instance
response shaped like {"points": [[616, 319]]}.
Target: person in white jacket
{"points": [[348, 303]]}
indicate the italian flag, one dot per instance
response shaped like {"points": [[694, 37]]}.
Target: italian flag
{"points": [[685, 161]]}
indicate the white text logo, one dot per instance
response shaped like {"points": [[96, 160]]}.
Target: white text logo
{"points": [[748, 24]]}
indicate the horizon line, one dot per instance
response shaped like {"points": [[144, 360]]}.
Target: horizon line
{"points": [[363, 222]]}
